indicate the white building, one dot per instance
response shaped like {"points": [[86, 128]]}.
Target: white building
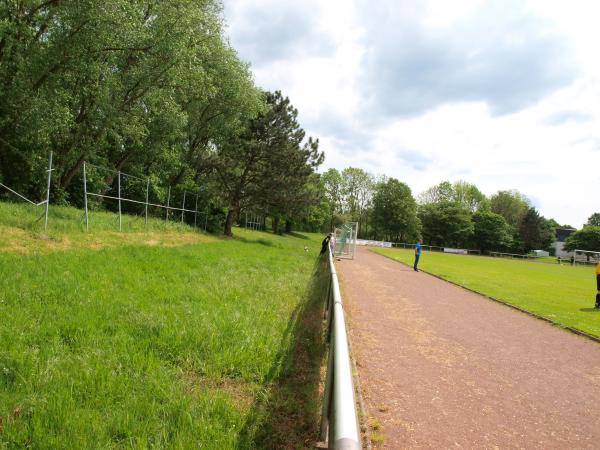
{"points": [[561, 236]]}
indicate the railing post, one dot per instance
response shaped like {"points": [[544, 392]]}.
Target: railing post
{"points": [[168, 203], [48, 192], [119, 195], [183, 208], [85, 200], [196, 212], [147, 197]]}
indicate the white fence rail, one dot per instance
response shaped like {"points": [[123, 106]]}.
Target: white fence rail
{"points": [[339, 422], [43, 202], [146, 203]]}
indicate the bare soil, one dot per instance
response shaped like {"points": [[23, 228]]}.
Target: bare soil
{"points": [[442, 367]]}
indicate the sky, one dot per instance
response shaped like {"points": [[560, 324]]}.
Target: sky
{"points": [[503, 94]]}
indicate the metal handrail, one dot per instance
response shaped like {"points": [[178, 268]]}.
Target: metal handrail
{"points": [[339, 422]]}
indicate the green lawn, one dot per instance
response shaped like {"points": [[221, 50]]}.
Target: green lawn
{"points": [[115, 341], [561, 293]]}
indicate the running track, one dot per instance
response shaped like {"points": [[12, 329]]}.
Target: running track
{"points": [[442, 367]]}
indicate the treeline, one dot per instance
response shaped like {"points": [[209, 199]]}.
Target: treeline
{"points": [[448, 214], [153, 89]]}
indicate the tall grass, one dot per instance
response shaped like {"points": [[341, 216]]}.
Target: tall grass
{"points": [[564, 294], [149, 346]]}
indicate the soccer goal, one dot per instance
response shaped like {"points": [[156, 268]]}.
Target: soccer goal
{"points": [[586, 256], [344, 240]]}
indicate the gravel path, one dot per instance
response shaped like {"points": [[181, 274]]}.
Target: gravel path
{"points": [[442, 367]]}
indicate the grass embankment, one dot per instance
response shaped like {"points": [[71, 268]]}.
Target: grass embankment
{"points": [[214, 344], [561, 293], [22, 230]]}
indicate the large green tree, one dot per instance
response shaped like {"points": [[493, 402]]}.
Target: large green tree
{"points": [[588, 238], [594, 220], [267, 164], [395, 211], [446, 224], [535, 231], [460, 192], [490, 231], [512, 205]]}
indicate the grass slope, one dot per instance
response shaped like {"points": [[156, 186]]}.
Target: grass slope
{"points": [[563, 294], [113, 342]]}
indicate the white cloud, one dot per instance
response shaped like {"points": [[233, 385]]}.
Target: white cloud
{"points": [[505, 95]]}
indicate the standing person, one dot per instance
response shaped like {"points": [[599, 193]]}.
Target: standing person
{"points": [[417, 254], [325, 243], [598, 285]]}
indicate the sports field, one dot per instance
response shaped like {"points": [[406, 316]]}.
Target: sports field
{"points": [[162, 339], [561, 293]]}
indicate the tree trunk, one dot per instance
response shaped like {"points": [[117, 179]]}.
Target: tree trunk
{"points": [[231, 217], [288, 226], [275, 225]]}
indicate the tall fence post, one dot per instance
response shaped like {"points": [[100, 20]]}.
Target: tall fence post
{"points": [[48, 192], [85, 196], [119, 195], [168, 203], [196, 212], [183, 208], [147, 191]]}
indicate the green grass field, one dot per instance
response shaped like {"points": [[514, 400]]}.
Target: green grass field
{"points": [[161, 339], [561, 293]]}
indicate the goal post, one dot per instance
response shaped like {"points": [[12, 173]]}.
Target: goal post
{"points": [[344, 240]]}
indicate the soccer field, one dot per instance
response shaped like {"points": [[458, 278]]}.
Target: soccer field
{"points": [[561, 293]]}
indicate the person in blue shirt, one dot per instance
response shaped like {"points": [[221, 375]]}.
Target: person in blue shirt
{"points": [[417, 254]]}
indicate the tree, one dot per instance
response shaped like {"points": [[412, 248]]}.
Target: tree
{"points": [[442, 192], [469, 196], [267, 164], [535, 231], [357, 190], [490, 231], [512, 205], [332, 181], [395, 211], [446, 223], [594, 220], [588, 238], [461, 192]]}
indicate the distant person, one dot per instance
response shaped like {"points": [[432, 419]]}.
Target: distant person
{"points": [[417, 254], [572, 260], [598, 285], [325, 244]]}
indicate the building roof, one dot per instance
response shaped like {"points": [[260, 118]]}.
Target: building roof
{"points": [[563, 233]]}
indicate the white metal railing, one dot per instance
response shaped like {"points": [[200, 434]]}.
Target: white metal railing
{"points": [[339, 422], [44, 202], [146, 203]]}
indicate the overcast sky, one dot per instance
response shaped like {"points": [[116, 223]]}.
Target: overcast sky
{"points": [[503, 94]]}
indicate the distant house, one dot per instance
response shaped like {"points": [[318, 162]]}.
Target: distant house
{"points": [[561, 236]]}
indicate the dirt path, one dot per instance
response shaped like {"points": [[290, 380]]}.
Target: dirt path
{"points": [[441, 367]]}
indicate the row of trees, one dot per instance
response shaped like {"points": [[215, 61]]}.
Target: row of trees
{"points": [[447, 214], [150, 88]]}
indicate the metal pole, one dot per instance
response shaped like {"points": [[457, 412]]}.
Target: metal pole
{"points": [[183, 207], [345, 424], [48, 191], [85, 198], [147, 191], [196, 212], [168, 202], [119, 187]]}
